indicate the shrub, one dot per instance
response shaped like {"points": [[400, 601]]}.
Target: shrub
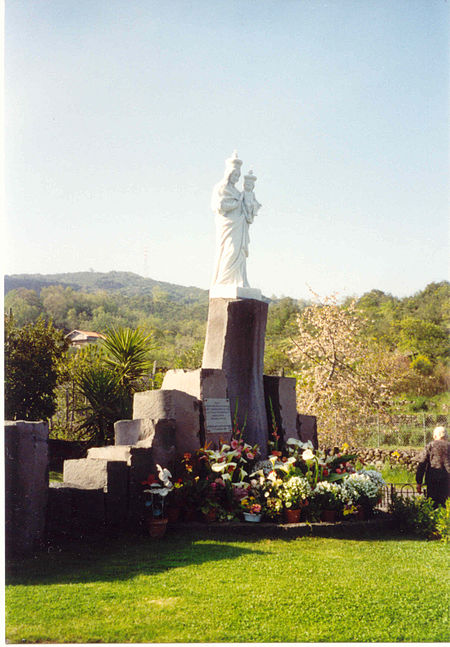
{"points": [[443, 522], [415, 515]]}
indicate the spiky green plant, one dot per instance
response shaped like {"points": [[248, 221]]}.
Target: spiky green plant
{"points": [[128, 354], [108, 401]]}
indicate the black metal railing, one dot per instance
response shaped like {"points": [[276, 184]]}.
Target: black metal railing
{"points": [[406, 490]]}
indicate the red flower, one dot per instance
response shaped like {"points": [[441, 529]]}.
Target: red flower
{"points": [[338, 471], [325, 472], [187, 456], [275, 453], [151, 479]]}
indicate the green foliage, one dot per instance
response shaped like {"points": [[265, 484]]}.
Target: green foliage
{"points": [[443, 522], [422, 365], [25, 306], [31, 356], [128, 355], [176, 316], [108, 401], [414, 515]]}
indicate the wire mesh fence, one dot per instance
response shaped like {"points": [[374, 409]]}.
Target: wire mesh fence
{"points": [[414, 430]]}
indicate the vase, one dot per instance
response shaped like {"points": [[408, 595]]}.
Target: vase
{"points": [[328, 515], [292, 515], [250, 516], [157, 527]]}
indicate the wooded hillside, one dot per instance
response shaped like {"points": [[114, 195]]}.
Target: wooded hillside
{"points": [[415, 327]]}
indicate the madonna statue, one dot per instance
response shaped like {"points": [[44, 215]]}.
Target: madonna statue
{"points": [[234, 211]]}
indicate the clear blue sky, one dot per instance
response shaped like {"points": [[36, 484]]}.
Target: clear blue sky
{"points": [[120, 113]]}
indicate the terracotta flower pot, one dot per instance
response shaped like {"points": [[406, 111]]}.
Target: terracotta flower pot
{"points": [[292, 515], [157, 527], [328, 515]]}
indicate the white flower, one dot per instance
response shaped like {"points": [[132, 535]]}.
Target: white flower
{"points": [[307, 455], [164, 476]]}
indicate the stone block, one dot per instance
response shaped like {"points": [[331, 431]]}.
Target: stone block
{"points": [[235, 336], [175, 408], [307, 429], [281, 391], [94, 473], [201, 383], [26, 484], [110, 453], [87, 473], [127, 432]]}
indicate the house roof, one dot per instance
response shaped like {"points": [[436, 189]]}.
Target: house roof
{"points": [[85, 334]]}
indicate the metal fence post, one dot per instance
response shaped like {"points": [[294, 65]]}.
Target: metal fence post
{"points": [[424, 429]]}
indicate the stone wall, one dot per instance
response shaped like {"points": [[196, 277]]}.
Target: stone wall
{"points": [[408, 458]]}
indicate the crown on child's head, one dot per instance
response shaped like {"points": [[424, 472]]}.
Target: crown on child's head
{"points": [[250, 176]]}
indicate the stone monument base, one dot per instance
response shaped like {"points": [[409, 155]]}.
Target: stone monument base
{"points": [[234, 292]]}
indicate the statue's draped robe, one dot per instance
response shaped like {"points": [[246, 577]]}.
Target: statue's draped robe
{"points": [[232, 237]]}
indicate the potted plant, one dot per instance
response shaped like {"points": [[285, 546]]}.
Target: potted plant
{"points": [[294, 493], [363, 489], [330, 498], [157, 489], [251, 509]]}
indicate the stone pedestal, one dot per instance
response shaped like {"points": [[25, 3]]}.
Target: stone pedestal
{"points": [[235, 343], [26, 484], [201, 383], [177, 409]]}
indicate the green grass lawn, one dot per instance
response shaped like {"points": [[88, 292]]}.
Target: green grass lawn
{"points": [[198, 589]]}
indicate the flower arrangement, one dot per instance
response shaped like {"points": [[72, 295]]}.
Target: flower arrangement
{"points": [[250, 505], [361, 489], [329, 496], [230, 480], [158, 490], [294, 492]]}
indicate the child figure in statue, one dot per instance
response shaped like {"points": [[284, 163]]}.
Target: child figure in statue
{"points": [[251, 204]]}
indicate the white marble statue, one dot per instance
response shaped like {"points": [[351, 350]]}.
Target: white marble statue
{"points": [[234, 211]]}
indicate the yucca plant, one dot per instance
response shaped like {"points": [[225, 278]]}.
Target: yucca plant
{"points": [[108, 401], [128, 354]]}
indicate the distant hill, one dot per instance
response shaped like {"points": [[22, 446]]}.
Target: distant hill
{"points": [[126, 283]]}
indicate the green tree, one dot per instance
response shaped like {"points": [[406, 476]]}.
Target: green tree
{"points": [[25, 305], [31, 358]]}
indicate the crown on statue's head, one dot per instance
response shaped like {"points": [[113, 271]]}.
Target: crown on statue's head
{"points": [[234, 161], [250, 176]]}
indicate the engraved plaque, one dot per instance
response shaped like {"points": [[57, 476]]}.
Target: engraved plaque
{"points": [[217, 415]]}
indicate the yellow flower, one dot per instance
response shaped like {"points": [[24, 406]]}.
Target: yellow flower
{"points": [[345, 447]]}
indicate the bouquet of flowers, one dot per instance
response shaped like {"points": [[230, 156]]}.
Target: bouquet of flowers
{"points": [[294, 492], [158, 489], [363, 489], [329, 496]]}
